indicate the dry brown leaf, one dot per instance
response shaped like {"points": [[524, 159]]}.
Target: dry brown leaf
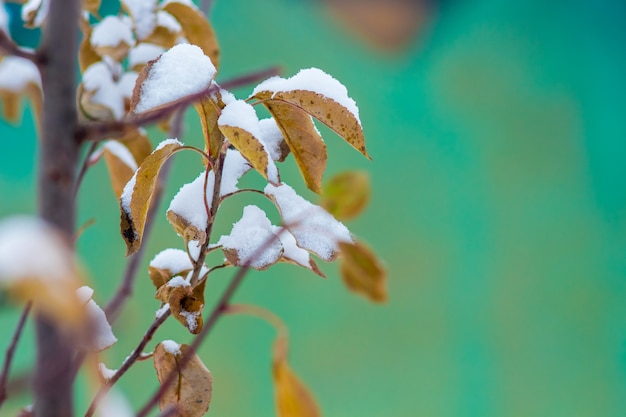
{"points": [[90, 109], [140, 197], [328, 111], [184, 228], [362, 272], [346, 194], [185, 303], [192, 391], [293, 398], [303, 140], [119, 172], [209, 111], [250, 147], [162, 36], [92, 6], [87, 55], [10, 106], [196, 29]]}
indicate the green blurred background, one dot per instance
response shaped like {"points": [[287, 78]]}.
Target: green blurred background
{"points": [[499, 205]]}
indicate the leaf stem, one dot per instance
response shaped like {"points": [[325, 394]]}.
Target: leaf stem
{"points": [[4, 376], [11, 48], [84, 167]]}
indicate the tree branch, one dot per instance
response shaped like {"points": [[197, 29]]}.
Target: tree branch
{"points": [[58, 160], [10, 351], [11, 48]]}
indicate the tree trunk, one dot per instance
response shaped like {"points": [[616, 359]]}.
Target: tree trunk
{"points": [[58, 160]]}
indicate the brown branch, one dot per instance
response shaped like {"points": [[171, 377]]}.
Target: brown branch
{"points": [[58, 161], [8, 360], [8, 47], [84, 167], [251, 78], [128, 362]]}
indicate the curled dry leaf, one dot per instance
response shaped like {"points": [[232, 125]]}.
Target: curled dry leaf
{"points": [[192, 391], [362, 272], [293, 398], [19, 77], [186, 304], [346, 195], [137, 194], [303, 139], [196, 29], [87, 55], [209, 111]]}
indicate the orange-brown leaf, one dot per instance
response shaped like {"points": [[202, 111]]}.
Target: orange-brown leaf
{"points": [[119, 171], [10, 106], [346, 194], [250, 147], [293, 398], [135, 202], [362, 272], [87, 55], [196, 29], [192, 391], [209, 111], [303, 140]]}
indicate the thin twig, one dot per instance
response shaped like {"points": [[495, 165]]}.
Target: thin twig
{"points": [[11, 351], [251, 78], [128, 362], [84, 167], [11, 48]]}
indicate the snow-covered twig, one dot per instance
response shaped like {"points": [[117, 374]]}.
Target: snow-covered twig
{"points": [[4, 376]]}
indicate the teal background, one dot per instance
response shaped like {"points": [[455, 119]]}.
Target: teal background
{"points": [[499, 206]]}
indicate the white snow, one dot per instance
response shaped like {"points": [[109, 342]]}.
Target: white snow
{"points": [[194, 249], [23, 236], [111, 31], [127, 193], [240, 114], [191, 317], [189, 201], [313, 227], [37, 7], [315, 80], [4, 18], [235, 166], [227, 96], [102, 334], [178, 281], [105, 372], [164, 309], [114, 404], [291, 250], [171, 347], [173, 260], [84, 294], [144, 16], [142, 53], [253, 239], [99, 78], [167, 142], [189, 3], [122, 153], [271, 135], [16, 73], [182, 71], [169, 22]]}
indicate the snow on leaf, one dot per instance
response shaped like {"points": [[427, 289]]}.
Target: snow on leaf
{"points": [[143, 53], [235, 166], [303, 139], [50, 278], [209, 109], [19, 76], [240, 125], [252, 241], [105, 91], [293, 253], [362, 272], [111, 37], [97, 332], [121, 165], [168, 263], [182, 71], [346, 195], [114, 404], [137, 194], [34, 12], [313, 227], [273, 138], [4, 18], [192, 391], [196, 28], [321, 96], [143, 13], [185, 302]]}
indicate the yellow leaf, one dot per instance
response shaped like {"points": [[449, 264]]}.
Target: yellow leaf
{"points": [[252, 149], [196, 29], [346, 195], [362, 272], [119, 171], [137, 143], [137, 194], [87, 55], [192, 391], [209, 111], [293, 399], [185, 229], [303, 140], [90, 109], [326, 110], [92, 6], [10, 106]]}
